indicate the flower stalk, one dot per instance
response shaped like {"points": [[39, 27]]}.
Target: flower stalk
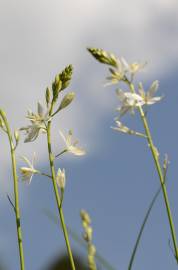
{"points": [[56, 192], [160, 174], [16, 193]]}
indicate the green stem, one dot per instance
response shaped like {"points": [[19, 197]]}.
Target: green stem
{"points": [[160, 174], [62, 152], [56, 192], [45, 174], [16, 193]]}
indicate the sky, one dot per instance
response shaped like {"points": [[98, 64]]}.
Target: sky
{"points": [[116, 180]]}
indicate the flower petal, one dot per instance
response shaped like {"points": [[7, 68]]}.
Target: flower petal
{"points": [[40, 109], [153, 88], [77, 151]]}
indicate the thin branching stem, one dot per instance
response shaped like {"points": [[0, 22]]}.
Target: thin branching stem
{"points": [[56, 192], [45, 174], [16, 192], [160, 174]]}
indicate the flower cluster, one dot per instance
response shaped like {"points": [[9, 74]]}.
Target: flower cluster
{"points": [[124, 71], [130, 100], [120, 69], [39, 123]]}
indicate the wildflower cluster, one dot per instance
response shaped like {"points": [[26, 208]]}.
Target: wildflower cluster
{"points": [[88, 232], [39, 123], [43, 116], [120, 70], [134, 98]]}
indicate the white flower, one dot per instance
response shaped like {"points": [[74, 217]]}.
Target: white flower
{"points": [[71, 146], [132, 68], [38, 121], [40, 117], [61, 178], [128, 101], [28, 172], [122, 128], [32, 132], [117, 74], [123, 70], [148, 97]]}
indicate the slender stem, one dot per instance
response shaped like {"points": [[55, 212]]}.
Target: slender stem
{"points": [[160, 174], [62, 152], [16, 193], [45, 174], [56, 192], [142, 228]]}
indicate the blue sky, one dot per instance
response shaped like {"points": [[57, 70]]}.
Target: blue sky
{"points": [[116, 180]]}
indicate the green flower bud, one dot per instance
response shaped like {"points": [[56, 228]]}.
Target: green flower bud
{"points": [[66, 100], [92, 250], [58, 83], [1, 123], [48, 95], [16, 135], [56, 87], [66, 76], [103, 56], [85, 216]]}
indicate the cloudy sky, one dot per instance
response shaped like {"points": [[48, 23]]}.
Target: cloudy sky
{"points": [[38, 39]]}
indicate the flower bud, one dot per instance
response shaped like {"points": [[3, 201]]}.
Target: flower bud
{"points": [[85, 217], [48, 95], [16, 136], [103, 56], [1, 123], [66, 76], [56, 87], [66, 100], [61, 178]]}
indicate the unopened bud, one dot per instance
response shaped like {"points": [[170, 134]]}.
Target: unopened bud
{"points": [[61, 178], [16, 136], [48, 95], [1, 123], [85, 216], [66, 100]]}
